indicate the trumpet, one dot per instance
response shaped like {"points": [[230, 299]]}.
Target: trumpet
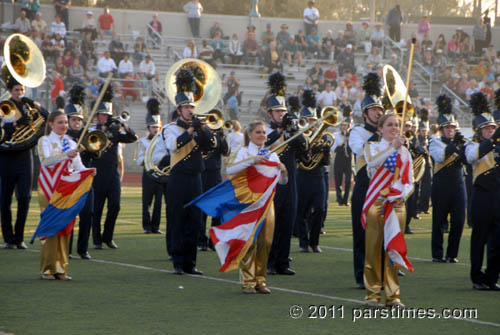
{"points": [[124, 117], [213, 119]]}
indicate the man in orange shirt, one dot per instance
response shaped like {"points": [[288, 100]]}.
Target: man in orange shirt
{"points": [[57, 86], [106, 23]]}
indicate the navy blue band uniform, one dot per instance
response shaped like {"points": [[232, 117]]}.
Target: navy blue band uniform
{"points": [[342, 167]]}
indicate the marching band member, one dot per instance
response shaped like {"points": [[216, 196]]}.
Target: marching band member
{"points": [[253, 265], [310, 186], [448, 188], [483, 153], [53, 148], [426, 182], [150, 188], [379, 154], [342, 163], [107, 183], [372, 111], [73, 111], [16, 168], [285, 203], [185, 140]]}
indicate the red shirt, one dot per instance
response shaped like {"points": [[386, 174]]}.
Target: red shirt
{"points": [[105, 21], [350, 81], [330, 75], [57, 86]]}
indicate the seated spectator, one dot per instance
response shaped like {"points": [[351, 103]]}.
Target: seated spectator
{"points": [[125, 66], [116, 48], [31, 7], [341, 90], [314, 44], [106, 23], [353, 92], [495, 69], [233, 88], [340, 44], [346, 61], [453, 47], [428, 61], [59, 44], [426, 43], [39, 24], [129, 87], [308, 84], [350, 79], [364, 37], [413, 92], [417, 48], [445, 76], [327, 46], [190, 50], [490, 55], [315, 72], [440, 45], [250, 30], [395, 62], [214, 29], [272, 59], [479, 70], [321, 84], [58, 27], [67, 58], [93, 89], [23, 25], [301, 41], [140, 50], [234, 49], [90, 25], [374, 57], [377, 35], [88, 50], [105, 65], [440, 62], [35, 36], [219, 46], [233, 106], [350, 34], [250, 48], [488, 91], [154, 30], [292, 53], [57, 86], [453, 83], [267, 36], [282, 37], [207, 53], [473, 88], [331, 75], [147, 68], [461, 64], [74, 46], [466, 47], [496, 85], [327, 97], [48, 50], [76, 74]]}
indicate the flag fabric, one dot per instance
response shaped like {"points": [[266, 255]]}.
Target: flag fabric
{"points": [[49, 177], [66, 201], [390, 181], [241, 203]]}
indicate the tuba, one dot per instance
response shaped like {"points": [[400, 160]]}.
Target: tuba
{"points": [[317, 142], [394, 94], [206, 96], [24, 62]]}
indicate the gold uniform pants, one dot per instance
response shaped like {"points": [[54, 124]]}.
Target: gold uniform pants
{"points": [[253, 267], [374, 244]]}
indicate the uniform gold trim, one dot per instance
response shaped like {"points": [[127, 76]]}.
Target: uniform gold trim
{"points": [[484, 165], [360, 163], [438, 166]]}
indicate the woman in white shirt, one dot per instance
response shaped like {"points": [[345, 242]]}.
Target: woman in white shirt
{"points": [[235, 49], [190, 50], [194, 10], [376, 154], [253, 267], [53, 148]]}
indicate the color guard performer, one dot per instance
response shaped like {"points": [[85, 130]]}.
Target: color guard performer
{"points": [[448, 187], [342, 163], [484, 155], [282, 127], [373, 109]]}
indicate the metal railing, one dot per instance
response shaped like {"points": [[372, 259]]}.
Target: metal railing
{"points": [[150, 31], [462, 105]]}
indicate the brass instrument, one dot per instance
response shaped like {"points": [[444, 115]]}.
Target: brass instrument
{"points": [[228, 125], [330, 118], [95, 142], [9, 111], [206, 96], [394, 94], [124, 117]]}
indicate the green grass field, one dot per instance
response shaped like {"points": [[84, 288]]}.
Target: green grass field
{"points": [[131, 290]]}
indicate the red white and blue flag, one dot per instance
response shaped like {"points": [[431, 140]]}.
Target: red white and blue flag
{"points": [[392, 181], [241, 203]]}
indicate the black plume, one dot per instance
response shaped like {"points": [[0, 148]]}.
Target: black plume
{"points": [[424, 115], [479, 104], [443, 103], [346, 110], [153, 106], [309, 98], [294, 102], [371, 84], [184, 80], [276, 83], [108, 95], [497, 99], [77, 95]]}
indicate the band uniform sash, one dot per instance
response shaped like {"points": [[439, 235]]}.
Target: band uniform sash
{"points": [[280, 140], [360, 163], [182, 153], [438, 166], [484, 166]]}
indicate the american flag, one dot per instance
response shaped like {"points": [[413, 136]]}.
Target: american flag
{"points": [[391, 180]]}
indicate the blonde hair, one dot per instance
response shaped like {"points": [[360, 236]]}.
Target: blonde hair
{"points": [[251, 127], [384, 118], [236, 125]]}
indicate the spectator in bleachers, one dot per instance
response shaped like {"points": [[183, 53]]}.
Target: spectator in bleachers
{"points": [[67, 58], [394, 62], [490, 55], [314, 43], [341, 91], [311, 17], [272, 58], [35, 36], [233, 87], [93, 89], [340, 44], [440, 62], [423, 26], [125, 66], [331, 75], [460, 65], [74, 46], [23, 25], [446, 75], [356, 106], [496, 85], [219, 46], [154, 30], [463, 84], [106, 23], [346, 60], [140, 50], [267, 35], [301, 41], [251, 48], [419, 50], [454, 47], [116, 48], [147, 68], [350, 34], [216, 28], [233, 107], [77, 74], [90, 25], [394, 21], [461, 34], [129, 87], [234, 49], [87, 48], [58, 27], [428, 61], [282, 37], [206, 53], [479, 35], [327, 46], [315, 72], [479, 70], [374, 57], [487, 91], [350, 78], [473, 88], [495, 68], [321, 84], [40, 25], [292, 53], [441, 45], [426, 43], [308, 84], [57, 86], [48, 50], [58, 44], [377, 35], [250, 30], [194, 9], [31, 7], [327, 97], [105, 65], [413, 92], [364, 37], [62, 9], [466, 47]]}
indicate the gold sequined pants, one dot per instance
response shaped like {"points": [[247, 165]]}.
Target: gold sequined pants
{"points": [[253, 267], [374, 244]]}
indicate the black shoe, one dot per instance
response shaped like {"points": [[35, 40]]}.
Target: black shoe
{"points": [[438, 260], [111, 245], [304, 250], [22, 245], [290, 259], [147, 231], [316, 249], [408, 231], [157, 232], [193, 271], [416, 217], [286, 272], [453, 260], [322, 232], [494, 287], [9, 246], [360, 285], [480, 287], [98, 246], [178, 271], [271, 271], [202, 248], [401, 273], [427, 212], [85, 255]]}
